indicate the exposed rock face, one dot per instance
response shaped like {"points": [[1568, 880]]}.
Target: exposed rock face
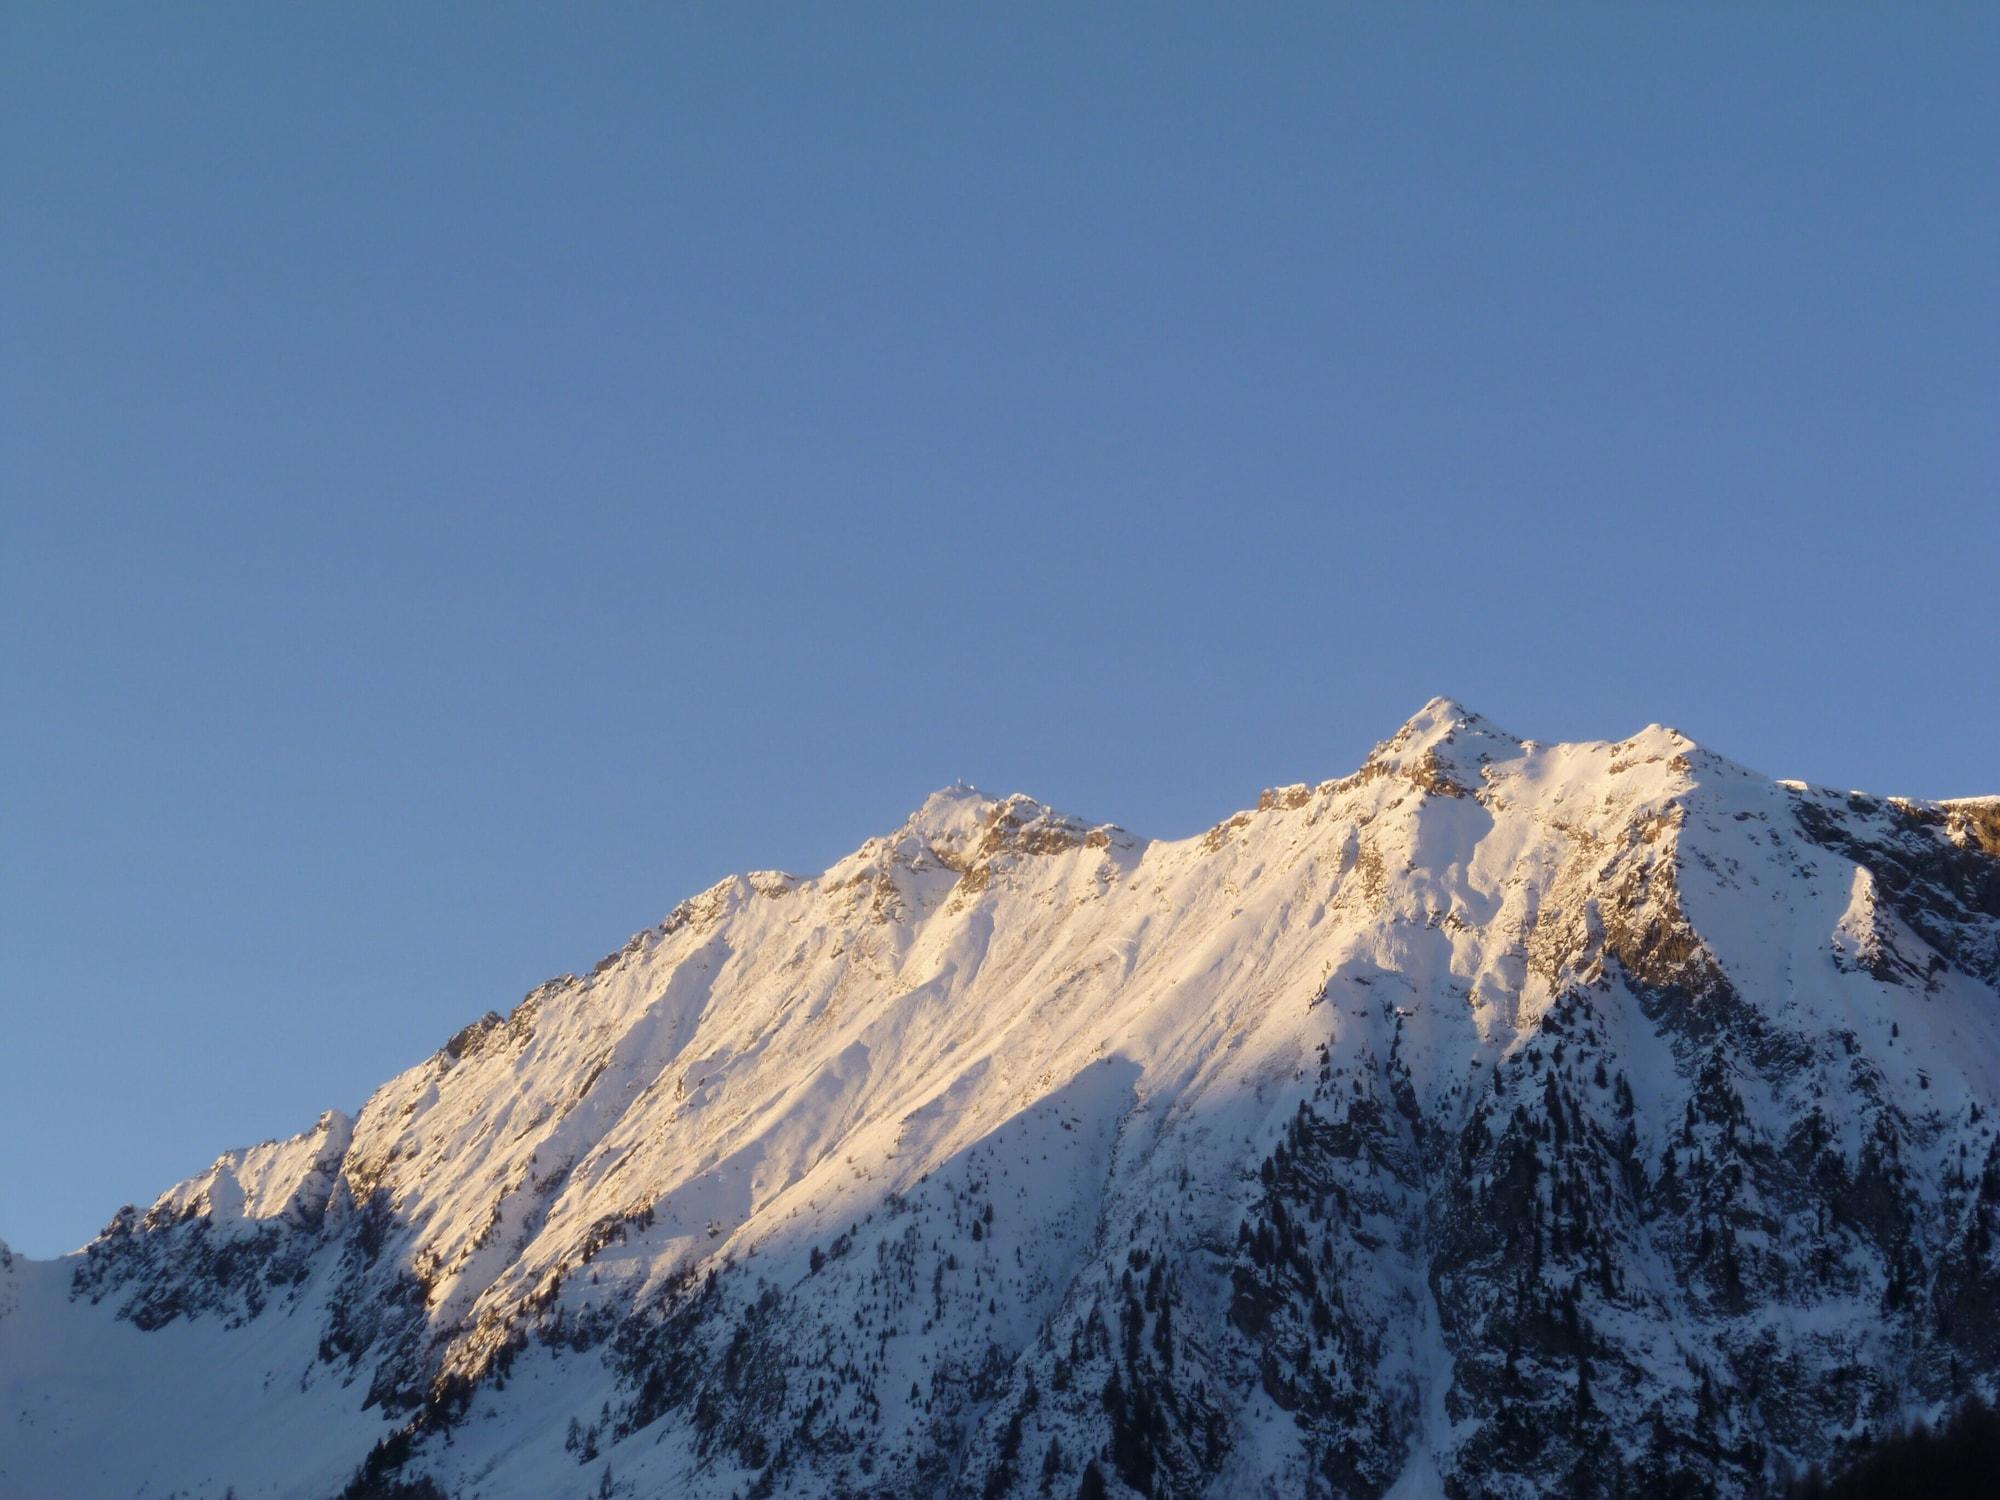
{"points": [[1502, 1119]]}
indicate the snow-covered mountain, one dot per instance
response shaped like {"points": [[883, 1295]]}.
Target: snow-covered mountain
{"points": [[1500, 1119]]}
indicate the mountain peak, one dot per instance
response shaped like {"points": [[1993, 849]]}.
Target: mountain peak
{"points": [[1443, 719], [1439, 710], [1445, 738], [949, 813], [959, 824]]}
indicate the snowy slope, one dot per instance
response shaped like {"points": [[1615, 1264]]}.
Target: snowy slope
{"points": [[1498, 1116]]}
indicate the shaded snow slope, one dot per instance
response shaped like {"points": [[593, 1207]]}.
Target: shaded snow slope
{"points": [[1499, 1116]]}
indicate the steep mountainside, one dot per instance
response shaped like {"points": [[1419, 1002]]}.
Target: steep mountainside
{"points": [[1502, 1119]]}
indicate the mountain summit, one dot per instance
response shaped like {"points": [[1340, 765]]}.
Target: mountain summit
{"points": [[1499, 1119]]}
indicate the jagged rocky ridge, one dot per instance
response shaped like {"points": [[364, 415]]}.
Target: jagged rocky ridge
{"points": [[1502, 1119]]}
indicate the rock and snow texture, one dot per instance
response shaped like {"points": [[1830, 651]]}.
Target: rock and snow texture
{"points": [[1500, 1119]]}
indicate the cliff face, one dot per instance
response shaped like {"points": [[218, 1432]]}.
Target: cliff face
{"points": [[1500, 1119]]}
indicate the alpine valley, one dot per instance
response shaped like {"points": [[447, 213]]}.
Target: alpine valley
{"points": [[1503, 1119]]}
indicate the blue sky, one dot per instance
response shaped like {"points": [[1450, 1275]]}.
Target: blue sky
{"points": [[472, 476]]}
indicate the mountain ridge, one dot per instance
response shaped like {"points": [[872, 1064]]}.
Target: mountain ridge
{"points": [[1436, 1128]]}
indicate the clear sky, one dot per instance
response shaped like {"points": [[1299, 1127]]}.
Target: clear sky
{"points": [[472, 476]]}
